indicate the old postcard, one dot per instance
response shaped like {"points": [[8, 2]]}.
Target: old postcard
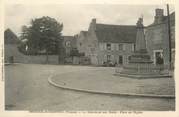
{"points": [[89, 58]]}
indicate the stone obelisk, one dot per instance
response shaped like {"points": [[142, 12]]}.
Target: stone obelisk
{"points": [[140, 37], [140, 54], [139, 60]]}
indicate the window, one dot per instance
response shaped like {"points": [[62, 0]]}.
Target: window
{"points": [[129, 59], [120, 46], [67, 43], [108, 46], [108, 58], [120, 59]]}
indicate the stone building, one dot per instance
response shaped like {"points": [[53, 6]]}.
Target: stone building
{"points": [[11, 53], [69, 43], [70, 53], [82, 42], [157, 37], [107, 44]]}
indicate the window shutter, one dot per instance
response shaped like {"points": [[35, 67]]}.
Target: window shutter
{"points": [[105, 58], [112, 46], [112, 58], [124, 47], [105, 46], [117, 46]]}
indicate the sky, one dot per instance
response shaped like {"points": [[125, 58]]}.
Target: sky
{"points": [[76, 18]]}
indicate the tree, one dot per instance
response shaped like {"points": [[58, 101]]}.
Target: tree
{"points": [[44, 34]]}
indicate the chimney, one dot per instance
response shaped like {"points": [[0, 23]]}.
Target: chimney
{"points": [[159, 15], [158, 12]]}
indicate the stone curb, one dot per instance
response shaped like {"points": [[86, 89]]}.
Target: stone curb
{"points": [[108, 93], [139, 76], [8, 64]]}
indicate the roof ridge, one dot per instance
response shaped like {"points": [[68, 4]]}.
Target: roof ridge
{"points": [[114, 25], [84, 31], [10, 37], [67, 36]]}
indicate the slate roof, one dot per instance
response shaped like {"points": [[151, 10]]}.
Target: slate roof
{"points": [[10, 37], [116, 33]]}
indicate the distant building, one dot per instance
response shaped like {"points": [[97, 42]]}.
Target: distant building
{"points": [[11, 52], [104, 43], [107, 44], [69, 43], [157, 37], [82, 42], [70, 52]]}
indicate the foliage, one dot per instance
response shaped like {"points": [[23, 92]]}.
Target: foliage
{"points": [[42, 36]]}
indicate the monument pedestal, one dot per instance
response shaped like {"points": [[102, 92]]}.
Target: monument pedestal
{"points": [[141, 66]]}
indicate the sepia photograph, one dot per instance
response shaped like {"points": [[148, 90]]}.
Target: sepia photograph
{"points": [[89, 57]]}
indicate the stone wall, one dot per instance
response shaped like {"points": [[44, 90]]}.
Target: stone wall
{"points": [[12, 50], [157, 39], [92, 47], [82, 42]]}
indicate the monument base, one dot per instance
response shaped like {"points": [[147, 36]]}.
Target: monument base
{"points": [[144, 71], [140, 66]]}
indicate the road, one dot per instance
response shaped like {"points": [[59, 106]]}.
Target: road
{"points": [[27, 88]]}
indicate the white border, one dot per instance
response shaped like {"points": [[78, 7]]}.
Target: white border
{"points": [[27, 114]]}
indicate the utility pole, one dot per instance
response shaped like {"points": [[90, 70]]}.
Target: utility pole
{"points": [[169, 35]]}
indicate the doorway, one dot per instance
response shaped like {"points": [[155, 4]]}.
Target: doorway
{"points": [[158, 57]]}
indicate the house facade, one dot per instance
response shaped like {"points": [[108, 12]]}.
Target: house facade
{"points": [[107, 44], [157, 37]]}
